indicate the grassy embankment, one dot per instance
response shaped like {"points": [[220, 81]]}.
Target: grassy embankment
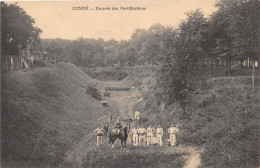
{"points": [[223, 120], [45, 112], [152, 156]]}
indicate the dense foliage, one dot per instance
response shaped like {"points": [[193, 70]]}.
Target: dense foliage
{"points": [[184, 66], [235, 30], [230, 34], [143, 47], [17, 29], [219, 116]]}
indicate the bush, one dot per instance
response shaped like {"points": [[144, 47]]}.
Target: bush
{"points": [[94, 92]]}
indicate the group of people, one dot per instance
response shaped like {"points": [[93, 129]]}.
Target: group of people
{"points": [[100, 131], [140, 135], [145, 137]]}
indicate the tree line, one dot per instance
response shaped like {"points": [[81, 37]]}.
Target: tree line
{"points": [[182, 54], [230, 34], [143, 47]]}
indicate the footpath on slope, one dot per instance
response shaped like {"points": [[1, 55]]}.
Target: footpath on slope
{"points": [[124, 101]]}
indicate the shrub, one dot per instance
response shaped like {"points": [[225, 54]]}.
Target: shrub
{"points": [[94, 92]]}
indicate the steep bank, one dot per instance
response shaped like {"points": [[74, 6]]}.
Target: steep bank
{"points": [[44, 113], [221, 119]]}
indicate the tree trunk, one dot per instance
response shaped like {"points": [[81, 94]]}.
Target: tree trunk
{"points": [[253, 76]]}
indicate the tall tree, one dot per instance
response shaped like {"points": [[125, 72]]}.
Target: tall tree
{"points": [[17, 29], [183, 67], [237, 25]]}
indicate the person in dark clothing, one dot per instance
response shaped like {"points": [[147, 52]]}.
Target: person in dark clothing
{"points": [[106, 129]]}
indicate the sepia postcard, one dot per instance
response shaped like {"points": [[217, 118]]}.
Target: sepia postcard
{"points": [[130, 84]]}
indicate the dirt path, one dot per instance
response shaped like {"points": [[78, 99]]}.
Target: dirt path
{"points": [[125, 101], [193, 157]]}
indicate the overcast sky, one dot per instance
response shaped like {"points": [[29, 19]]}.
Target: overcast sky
{"points": [[59, 20]]}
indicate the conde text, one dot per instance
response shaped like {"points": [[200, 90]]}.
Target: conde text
{"points": [[86, 8]]}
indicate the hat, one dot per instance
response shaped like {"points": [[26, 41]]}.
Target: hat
{"points": [[172, 125], [118, 117]]}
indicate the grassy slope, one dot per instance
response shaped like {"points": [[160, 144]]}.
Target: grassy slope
{"points": [[152, 157], [52, 104], [223, 117], [223, 120], [44, 112]]}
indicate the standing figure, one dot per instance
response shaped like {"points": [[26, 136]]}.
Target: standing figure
{"points": [[159, 134], [105, 129], [150, 130], [142, 133], [172, 131], [110, 117], [137, 115], [118, 125], [128, 126], [135, 136], [99, 131], [138, 142]]}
